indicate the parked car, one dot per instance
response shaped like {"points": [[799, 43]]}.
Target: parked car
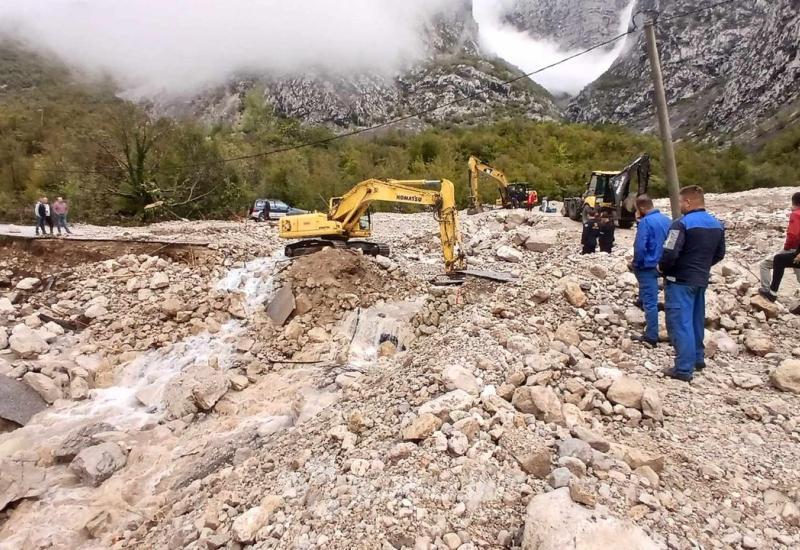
{"points": [[277, 209]]}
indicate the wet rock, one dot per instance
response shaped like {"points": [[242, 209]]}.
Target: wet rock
{"points": [[93, 465], [44, 386], [20, 480], [574, 295], [19, 401], [422, 427], [78, 389], [554, 522], [787, 376], [209, 387], [78, 440], [626, 391], [27, 343], [540, 401]]}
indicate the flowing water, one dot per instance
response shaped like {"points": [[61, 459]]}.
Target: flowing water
{"points": [[56, 519]]}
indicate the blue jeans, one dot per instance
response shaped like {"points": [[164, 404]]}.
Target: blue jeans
{"points": [[685, 306], [648, 294]]}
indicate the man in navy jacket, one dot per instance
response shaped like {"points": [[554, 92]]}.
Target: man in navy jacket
{"points": [[647, 248], [695, 242]]}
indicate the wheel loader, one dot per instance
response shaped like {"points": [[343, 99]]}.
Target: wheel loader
{"points": [[612, 192]]}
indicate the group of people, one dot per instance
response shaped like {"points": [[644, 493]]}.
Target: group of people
{"points": [[46, 214], [598, 227], [682, 252]]}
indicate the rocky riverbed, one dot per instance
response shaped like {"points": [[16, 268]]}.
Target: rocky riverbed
{"points": [[239, 399]]}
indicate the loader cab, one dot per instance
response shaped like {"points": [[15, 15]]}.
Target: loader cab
{"points": [[601, 186]]}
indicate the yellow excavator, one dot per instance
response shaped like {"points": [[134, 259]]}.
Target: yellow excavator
{"points": [[349, 217], [512, 195]]}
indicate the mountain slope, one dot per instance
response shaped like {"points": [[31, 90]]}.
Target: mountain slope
{"points": [[454, 67], [724, 69]]}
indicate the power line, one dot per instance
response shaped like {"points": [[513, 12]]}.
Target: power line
{"points": [[419, 113]]}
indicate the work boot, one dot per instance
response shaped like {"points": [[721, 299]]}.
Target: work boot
{"points": [[795, 310], [645, 341], [699, 366], [672, 373], [767, 293]]}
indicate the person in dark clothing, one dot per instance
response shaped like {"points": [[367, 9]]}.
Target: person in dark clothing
{"points": [[786, 258], [591, 230], [45, 216], [647, 249], [606, 228], [694, 243]]}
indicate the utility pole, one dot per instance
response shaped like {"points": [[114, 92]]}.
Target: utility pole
{"points": [[663, 118]]}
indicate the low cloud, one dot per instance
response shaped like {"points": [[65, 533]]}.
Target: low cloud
{"points": [[529, 54], [180, 46]]}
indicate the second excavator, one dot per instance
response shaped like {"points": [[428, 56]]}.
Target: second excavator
{"points": [[349, 218], [512, 195]]}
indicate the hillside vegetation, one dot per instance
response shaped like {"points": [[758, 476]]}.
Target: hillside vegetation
{"points": [[112, 159]]}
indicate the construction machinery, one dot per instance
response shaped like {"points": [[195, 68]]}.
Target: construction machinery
{"points": [[512, 195], [613, 192], [349, 218]]}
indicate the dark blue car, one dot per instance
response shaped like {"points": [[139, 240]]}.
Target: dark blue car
{"points": [[277, 209]]}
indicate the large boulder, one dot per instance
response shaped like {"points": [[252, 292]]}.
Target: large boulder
{"points": [[509, 254], [18, 401], [541, 241], [26, 342], [20, 480], [78, 440], [93, 465], [44, 386], [554, 522], [626, 391], [787, 376]]}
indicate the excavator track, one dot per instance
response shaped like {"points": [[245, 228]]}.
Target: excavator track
{"points": [[310, 246]]}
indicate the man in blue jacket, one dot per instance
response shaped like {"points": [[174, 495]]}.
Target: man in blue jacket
{"points": [[647, 248], [695, 242]]}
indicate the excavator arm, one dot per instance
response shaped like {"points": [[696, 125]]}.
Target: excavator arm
{"points": [[476, 167], [345, 218]]}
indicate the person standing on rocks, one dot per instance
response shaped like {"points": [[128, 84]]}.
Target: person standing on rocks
{"points": [[647, 249], [591, 230], [775, 265], [606, 231], [60, 210], [694, 243]]}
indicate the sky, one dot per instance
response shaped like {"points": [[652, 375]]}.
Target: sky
{"points": [[519, 49], [180, 46]]}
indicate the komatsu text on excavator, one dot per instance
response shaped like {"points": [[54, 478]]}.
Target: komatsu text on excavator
{"points": [[512, 195]]}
